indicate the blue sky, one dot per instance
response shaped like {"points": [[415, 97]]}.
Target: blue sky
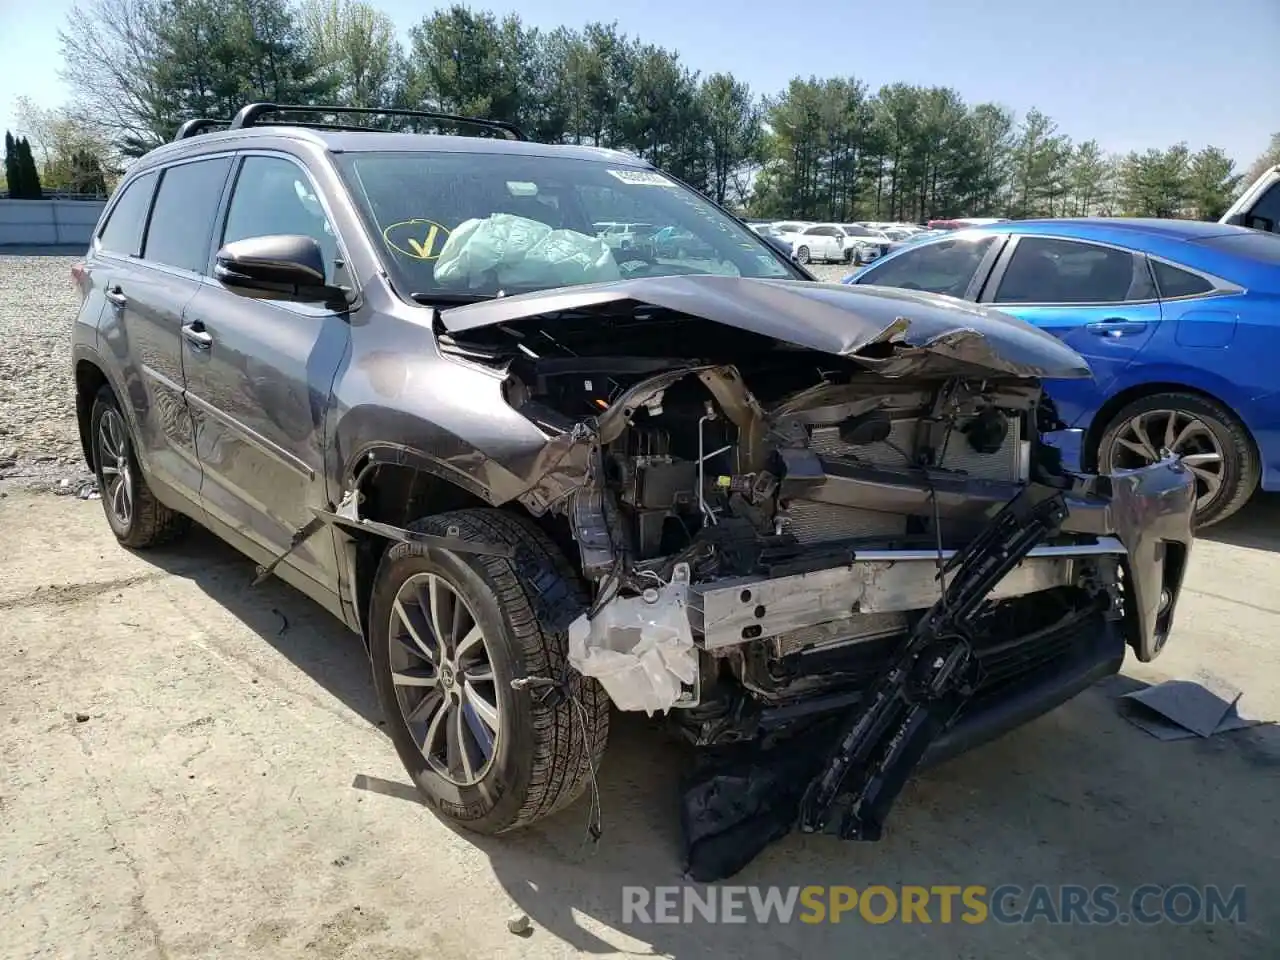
{"points": [[1130, 73]]}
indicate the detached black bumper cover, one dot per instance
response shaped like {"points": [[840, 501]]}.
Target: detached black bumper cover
{"points": [[926, 705]]}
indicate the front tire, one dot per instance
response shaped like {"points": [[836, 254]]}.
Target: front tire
{"points": [[1212, 441], [802, 255], [448, 633], [134, 514]]}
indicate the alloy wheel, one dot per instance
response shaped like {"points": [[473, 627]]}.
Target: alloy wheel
{"points": [[113, 465], [444, 679], [1147, 437]]}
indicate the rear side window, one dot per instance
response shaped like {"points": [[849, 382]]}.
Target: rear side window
{"points": [[1173, 282], [1045, 270], [946, 266], [122, 233], [182, 219]]}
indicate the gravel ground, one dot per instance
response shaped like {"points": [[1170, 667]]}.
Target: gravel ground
{"points": [[39, 443]]}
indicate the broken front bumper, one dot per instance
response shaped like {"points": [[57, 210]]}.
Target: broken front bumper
{"points": [[1141, 517]]}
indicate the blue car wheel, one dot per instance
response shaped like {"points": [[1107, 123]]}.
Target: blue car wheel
{"points": [[1212, 442]]}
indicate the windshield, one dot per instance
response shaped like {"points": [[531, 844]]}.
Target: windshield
{"points": [[498, 224]]}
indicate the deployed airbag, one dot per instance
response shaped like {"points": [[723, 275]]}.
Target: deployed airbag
{"points": [[522, 252]]}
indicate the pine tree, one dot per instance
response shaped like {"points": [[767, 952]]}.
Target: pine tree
{"points": [[12, 172], [30, 176]]}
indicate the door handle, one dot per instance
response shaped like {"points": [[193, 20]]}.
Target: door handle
{"points": [[116, 295], [1116, 327], [197, 335]]}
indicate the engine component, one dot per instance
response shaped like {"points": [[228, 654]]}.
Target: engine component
{"points": [[640, 648], [987, 431], [1001, 462], [874, 426]]}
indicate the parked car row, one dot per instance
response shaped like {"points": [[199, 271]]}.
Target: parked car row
{"points": [[855, 243]]}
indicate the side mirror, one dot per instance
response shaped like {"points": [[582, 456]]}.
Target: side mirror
{"points": [[277, 267]]}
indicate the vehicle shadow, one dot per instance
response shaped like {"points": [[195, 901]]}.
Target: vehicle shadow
{"points": [[301, 630], [1257, 525], [1079, 796]]}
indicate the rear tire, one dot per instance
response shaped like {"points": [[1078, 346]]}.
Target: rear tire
{"points": [[542, 754], [134, 514], [1204, 428], [802, 254]]}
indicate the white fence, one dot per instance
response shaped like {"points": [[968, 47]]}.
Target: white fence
{"points": [[48, 223]]}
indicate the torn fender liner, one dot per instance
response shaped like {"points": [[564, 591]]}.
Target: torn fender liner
{"points": [[895, 332], [639, 648]]}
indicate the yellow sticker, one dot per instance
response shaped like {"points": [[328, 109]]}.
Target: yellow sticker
{"points": [[416, 239]]}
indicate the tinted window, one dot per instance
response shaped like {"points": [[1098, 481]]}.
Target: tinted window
{"points": [[182, 219], [1255, 246], [274, 196], [943, 267], [485, 223], [1066, 271], [1265, 213], [123, 231], [1178, 283]]}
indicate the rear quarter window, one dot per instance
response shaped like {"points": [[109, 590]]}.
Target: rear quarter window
{"points": [[122, 233], [1173, 282]]}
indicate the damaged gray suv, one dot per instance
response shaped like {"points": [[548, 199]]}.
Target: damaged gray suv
{"points": [[812, 525]]}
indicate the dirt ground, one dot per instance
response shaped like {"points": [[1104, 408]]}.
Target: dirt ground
{"points": [[193, 768]]}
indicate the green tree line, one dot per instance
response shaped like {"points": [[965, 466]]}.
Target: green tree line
{"points": [[830, 149]]}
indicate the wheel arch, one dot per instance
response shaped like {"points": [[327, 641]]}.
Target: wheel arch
{"points": [[397, 485], [89, 379]]}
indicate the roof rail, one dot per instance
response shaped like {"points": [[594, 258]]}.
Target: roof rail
{"points": [[250, 115], [199, 125]]}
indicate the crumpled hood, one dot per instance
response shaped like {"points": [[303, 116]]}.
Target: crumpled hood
{"points": [[894, 332]]}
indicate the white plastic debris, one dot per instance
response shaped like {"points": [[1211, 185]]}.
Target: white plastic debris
{"points": [[639, 648], [522, 252]]}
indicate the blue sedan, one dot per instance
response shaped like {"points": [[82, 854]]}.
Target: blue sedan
{"points": [[1180, 321]]}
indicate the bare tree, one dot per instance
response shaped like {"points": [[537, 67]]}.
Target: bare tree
{"points": [[356, 44], [109, 50]]}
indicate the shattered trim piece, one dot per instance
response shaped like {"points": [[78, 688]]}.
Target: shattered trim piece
{"points": [[640, 648]]}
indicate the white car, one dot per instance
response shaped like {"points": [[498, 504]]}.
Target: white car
{"points": [[625, 236], [827, 242], [868, 243], [1259, 205]]}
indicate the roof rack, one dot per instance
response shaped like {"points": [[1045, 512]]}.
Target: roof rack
{"points": [[250, 115], [199, 125]]}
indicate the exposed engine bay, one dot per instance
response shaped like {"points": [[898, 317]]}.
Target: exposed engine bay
{"points": [[851, 546], [754, 488]]}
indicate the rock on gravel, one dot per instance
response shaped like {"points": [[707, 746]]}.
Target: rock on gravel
{"points": [[39, 440]]}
